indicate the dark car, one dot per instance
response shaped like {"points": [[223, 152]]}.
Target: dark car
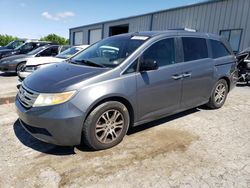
{"points": [[23, 49], [13, 44], [14, 63], [122, 81]]}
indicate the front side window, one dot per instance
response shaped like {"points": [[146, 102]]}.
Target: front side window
{"points": [[132, 68], [233, 36], [109, 52], [194, 48], [163, 52], [218, 49]]}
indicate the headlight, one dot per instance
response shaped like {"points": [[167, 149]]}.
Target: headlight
{"points": [[53, 98], [31, 69]]}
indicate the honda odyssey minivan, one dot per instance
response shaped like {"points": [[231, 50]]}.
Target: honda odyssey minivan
{"points": [[122, 81]]}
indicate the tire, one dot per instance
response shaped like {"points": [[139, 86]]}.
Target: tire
{"points": [[102, 122], [19, 67], [219, 95]]}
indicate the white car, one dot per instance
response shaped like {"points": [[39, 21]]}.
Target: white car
{"points": [[36, 63]]}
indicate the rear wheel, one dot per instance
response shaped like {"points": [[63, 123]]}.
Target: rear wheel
{"points": [[106, 125], [219, 95]]}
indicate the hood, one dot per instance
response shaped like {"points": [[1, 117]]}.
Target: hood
{"points": [[42, 60], [58, 77], [15, 57]]}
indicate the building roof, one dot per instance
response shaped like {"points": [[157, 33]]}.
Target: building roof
{"points": [[151, 13]]}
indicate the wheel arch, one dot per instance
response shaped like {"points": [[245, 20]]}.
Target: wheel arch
{"points": [[120, 99], [227, 80], [21, 62]]}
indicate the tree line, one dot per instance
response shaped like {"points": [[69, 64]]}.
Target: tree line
{"points": [[5, 39]]}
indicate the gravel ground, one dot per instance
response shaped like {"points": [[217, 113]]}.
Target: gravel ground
{"points": [[8, 84], [196, 148]]}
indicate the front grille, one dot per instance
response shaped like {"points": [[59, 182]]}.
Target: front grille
{"points": [[26, 96]]}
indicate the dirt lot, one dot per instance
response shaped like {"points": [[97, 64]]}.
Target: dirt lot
{"points": [[196, 148]]}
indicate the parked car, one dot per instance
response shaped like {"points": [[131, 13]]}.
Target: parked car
{"points": [[244, 65], [33, 64], [14, 64], [97, 97], [13, 44], [23, 49]]}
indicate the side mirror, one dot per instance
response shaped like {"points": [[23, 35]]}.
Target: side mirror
{"points": [[148, 64]]}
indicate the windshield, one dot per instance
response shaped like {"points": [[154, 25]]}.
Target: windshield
{"points": [[69, 52], [36, 51], [109, 52], [14, 44]]}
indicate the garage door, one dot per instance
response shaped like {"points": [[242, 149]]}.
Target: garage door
{"points": [[78, 38], [95, 35]]}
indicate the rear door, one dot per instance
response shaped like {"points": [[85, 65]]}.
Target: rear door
{"points": [[198, 71], [159, 91]]}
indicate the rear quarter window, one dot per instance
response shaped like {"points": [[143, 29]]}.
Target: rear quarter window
{"points": [[218, 49], [194, 48]]}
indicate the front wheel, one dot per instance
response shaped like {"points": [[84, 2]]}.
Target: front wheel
{"points": [[19, 67], [219, 95], [106, 125]]}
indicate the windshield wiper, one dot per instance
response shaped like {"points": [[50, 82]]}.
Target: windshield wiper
{"points": [[88, 62]]}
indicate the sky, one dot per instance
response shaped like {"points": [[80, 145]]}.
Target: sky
{"points": [[37, 18]]}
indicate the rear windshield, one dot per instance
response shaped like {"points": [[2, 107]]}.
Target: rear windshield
{"points": [[110, 52]]}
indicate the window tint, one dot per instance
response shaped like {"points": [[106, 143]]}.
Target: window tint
{"points": [[194, 48], [218, 49], [28, 46], [163, 52], [54, 50], [51, 51]]}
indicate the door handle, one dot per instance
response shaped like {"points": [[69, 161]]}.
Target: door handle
{"points": [[187, 74], [177, 76]]}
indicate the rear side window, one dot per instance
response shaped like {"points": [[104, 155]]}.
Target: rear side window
{"points": [[194, 48], [218, 49]]}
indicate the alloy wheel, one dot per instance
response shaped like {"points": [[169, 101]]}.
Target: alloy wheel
{"points": [[109, 126], [220, 93]]}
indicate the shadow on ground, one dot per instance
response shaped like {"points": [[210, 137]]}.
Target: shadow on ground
{"points": [[29, 141], [3, 74], [243, 84], [152, 124]]}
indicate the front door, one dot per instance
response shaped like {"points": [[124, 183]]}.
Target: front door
{"points": [[159, 91]]}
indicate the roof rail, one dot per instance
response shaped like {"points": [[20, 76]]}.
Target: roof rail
{"points": [[184, 29]]}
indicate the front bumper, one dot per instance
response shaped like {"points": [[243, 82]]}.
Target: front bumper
{"points": [[58, 124]]}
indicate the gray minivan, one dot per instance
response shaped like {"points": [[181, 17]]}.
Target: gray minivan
{"points": [[124, 81]]}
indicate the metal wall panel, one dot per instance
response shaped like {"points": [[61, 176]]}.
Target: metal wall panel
{"points": [[205, 17], [141, 23]]}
